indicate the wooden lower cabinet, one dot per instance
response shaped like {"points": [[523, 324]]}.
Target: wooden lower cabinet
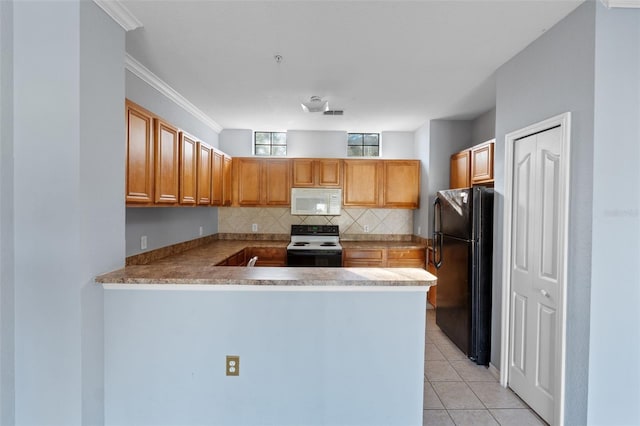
{"points": [[366, 258], [236, 259], [406, 258], [383, 258], [269, 256]]}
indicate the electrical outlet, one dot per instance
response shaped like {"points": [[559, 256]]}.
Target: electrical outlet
{"points": [[419, 230], [366, 228], [254, 227], [201, 231], [233, 365], [143, 242]]}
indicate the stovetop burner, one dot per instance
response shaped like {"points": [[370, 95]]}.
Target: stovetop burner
{"points": [[301, 244]]}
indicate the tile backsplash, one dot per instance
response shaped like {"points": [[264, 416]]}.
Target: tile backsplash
{"points": [[277, 220]]}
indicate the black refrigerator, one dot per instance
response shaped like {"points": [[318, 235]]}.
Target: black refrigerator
{"points": [[463, 246]]}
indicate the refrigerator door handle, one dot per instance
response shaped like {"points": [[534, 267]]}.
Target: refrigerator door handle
{"points": [[437, 233]]}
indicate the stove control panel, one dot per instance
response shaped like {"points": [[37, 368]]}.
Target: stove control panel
{"points": [[320, 230]]}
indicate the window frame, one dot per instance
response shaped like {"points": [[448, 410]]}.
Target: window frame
{"points": [[363, 145], [271, 145]]}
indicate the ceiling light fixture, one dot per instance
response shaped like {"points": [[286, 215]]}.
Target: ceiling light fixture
{"points": [[315, 104]]}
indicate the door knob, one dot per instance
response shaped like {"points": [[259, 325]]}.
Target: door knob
{"points": [[544, 292]]}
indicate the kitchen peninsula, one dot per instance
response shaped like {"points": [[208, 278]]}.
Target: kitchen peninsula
{"points": [[316, 345]]}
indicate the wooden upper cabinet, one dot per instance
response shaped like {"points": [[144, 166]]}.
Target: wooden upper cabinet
{"points": [[217, 178], [278, 182], [227, 182], [140, 164], [482, 163], [248, 180], [401, 183], [303, 173], [460, 171], [318, 173], [361, 186], [382, 183], [166, 163], [188, 169], [472, 166], [203, 182], [260, 182]]}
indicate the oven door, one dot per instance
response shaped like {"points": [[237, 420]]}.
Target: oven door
{"points": [[324, 258]]}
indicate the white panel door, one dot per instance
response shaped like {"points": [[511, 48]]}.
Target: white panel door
{"points": [[535, 280]]}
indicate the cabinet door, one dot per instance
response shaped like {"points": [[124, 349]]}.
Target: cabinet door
{"points": [[482, 163], [406, 258], [226, 182], [329, 172], [303, 172], [460, 170], [166, 163], [248, 180], [204, 173], [361, 183], [139, 177], [278, 182], [355, 258], [401, 183], [188, 169], [217, 178], [269, 256]]}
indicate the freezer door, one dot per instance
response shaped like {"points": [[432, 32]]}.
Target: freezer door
{"points": [[455, 215], [453, 298]]}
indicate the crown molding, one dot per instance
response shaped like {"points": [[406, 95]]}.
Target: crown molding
{"points": [[119, 13], [157, 83], [621, 3]]}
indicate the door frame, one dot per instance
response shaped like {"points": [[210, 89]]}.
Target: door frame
{"points": [[564, 121]]}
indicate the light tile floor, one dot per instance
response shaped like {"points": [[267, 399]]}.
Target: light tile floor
{"points": [[459, 392]]}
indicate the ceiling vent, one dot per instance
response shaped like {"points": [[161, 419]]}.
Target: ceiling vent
{"points": [[334, 112]]}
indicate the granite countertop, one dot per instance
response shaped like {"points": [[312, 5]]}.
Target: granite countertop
{"points": [[215, 252], [269, 276], [197, 266]]}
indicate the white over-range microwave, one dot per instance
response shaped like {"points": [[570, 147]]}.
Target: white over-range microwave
{"points": [[316, 201]]}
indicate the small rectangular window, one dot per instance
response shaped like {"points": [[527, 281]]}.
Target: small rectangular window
{"points": [[270, 143], [363, 145]]}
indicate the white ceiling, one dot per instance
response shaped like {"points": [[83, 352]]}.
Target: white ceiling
{"points": [[391, 65]]}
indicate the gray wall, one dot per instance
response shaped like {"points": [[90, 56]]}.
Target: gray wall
{"points": [[483, 128], [446, 137], [101, 205], [146, 96], [164, 226], [167, 225], [320, 143], [307, 358], [421, 152], [614, 332], [68, 204], [7, 285], [551, 76]]}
